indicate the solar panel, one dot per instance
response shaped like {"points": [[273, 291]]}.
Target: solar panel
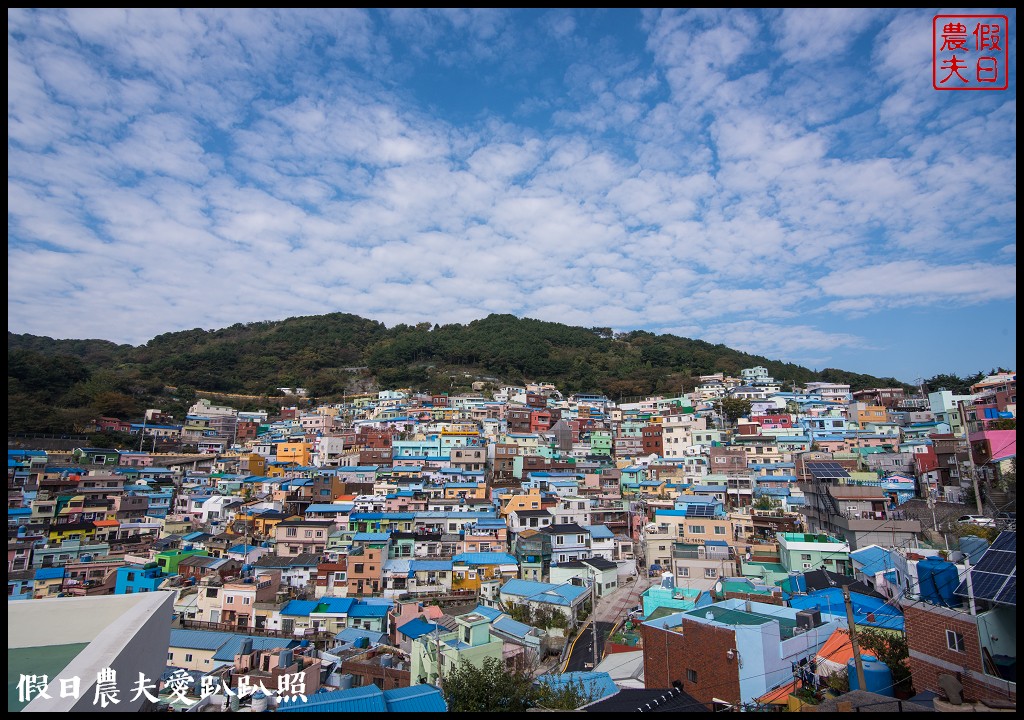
{"points": [[994, 578], [825, 465], [827, 470], [1008, 595], [997, 561], [1006, 541], [986, 586]]}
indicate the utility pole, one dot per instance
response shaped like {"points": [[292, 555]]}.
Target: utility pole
{"points": [[861, 682], [593, 614], [970, 456]]}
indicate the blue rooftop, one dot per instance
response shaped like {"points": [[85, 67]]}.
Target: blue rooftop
{"points": [[512, 627], [330, 507], [370, 698], [335, 605], [299, 608], [597, 685], [49, 573], [428, 565], [364, 610], [867, 610], [872, 559], [489, 613], [484, 558], [419, 627]]}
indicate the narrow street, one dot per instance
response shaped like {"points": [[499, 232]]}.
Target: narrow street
{"points": [[611, 611]]}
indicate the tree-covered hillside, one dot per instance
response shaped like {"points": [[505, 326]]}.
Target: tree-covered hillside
{"points": [[56, 385]]}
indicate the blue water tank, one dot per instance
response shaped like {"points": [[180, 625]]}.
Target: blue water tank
{"points": [[877, 676], [938, 580], [973, 547]]}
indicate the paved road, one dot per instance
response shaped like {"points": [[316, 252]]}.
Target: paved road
{"points": [[616, 605], [611, 610], [581, 657]]}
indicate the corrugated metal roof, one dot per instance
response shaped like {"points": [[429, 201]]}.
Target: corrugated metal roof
{"points": [[49, 573], [233, 646], [435, 565], [415, 698], [334, 605], [485, 558], [363, 610], [417, 627], [198, 639], [368, 698], [300, 608]]}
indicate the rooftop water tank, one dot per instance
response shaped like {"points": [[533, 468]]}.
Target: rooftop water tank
{"points": [[973, 547], [346, 682], [259, 701], [938, 580], [877, 676]]}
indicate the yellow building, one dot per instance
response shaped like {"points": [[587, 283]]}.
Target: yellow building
{"points": [[83, 531], [528, 501], [870, 414], [295, 452]]}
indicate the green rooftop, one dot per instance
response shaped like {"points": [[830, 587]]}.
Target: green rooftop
{"points": [[46, 660], [727, 616], [810, 538]]}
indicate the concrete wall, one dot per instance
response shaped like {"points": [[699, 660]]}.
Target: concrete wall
{"points": [[129, 634]]}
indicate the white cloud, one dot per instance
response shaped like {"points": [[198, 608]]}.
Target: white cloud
{"points": [[719, 172]]}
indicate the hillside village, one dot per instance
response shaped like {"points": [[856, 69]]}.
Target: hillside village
{"points": [[718, 546]]}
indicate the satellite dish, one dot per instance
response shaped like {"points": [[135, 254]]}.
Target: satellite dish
{"points": [[718, 588]]}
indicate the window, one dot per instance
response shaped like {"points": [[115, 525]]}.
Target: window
{"points": [[719, 529], [696, 529], [188, 657], [684, 571], [359, 568], [691, 675], [170, 656], [710, 572], [245, 601], [805, 556], [290, 532], [954, 641]]}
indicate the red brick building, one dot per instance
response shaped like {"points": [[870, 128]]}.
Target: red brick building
{"points": [[652, 443], [948, 641]]}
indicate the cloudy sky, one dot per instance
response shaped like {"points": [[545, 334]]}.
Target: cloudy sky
{"points": [[785, 182]]}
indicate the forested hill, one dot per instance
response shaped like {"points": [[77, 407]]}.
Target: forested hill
{"points": [[333, 354]]}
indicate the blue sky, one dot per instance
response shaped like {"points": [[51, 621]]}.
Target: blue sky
{"points": [[786, 182]]}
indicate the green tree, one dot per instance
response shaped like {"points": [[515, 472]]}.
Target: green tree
{"points": [[490, 688], [767, 502], [569, 696], [495, 688], [736, 408], [890, 648]]}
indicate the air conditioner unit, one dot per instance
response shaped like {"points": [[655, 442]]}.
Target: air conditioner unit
{"points": [[808, 619]]}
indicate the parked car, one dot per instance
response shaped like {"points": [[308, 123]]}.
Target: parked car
{"points": [[1007, 520], [978, 520]]}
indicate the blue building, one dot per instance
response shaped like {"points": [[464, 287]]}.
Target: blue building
{"points": [[138, 579]]}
